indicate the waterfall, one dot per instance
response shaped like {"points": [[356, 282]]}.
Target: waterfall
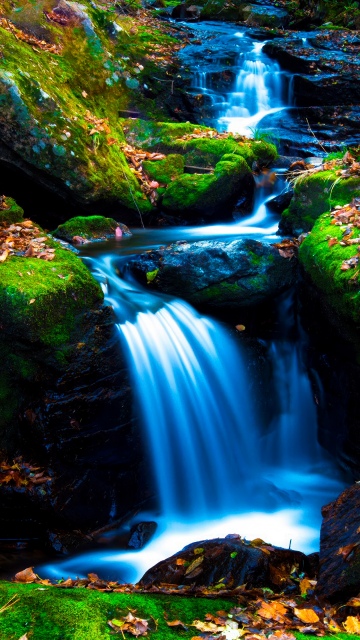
{"points": [[191, 389]]}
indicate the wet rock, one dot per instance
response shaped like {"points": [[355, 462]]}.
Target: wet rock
{"points": [[141, 533], [269, 16], [280, 202], [339, 573], [227, 562], [89, 228], [216, 274], [194, 196], [324, 75]]}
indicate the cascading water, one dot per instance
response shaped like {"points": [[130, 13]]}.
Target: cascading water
{"points": [[216, 471]]}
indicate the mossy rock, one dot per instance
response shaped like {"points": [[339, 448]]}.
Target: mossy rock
{"points": [[41, 300], [166, 170], [174, 138], [209, 195], [10, 211], [322, 264], [89, 227], [60, 97], [315, 194]]}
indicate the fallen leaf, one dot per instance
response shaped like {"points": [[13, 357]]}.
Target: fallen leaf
{"points": [[32, 300], [177, 623], [194, 565], [207, 626], [240, 327], [306, 585], [27, 575], [4, 255], [352, 624], [306, 615], [345, 551], [272, 611]]}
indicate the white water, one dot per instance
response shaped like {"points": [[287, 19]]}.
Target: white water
{"points": [[217, 470]]}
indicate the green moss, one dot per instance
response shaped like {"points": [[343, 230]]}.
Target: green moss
{"points": [[315, 194], [164, 171], [11, 212], [87, 227], [41, 300], [151, 275], [76, 614], [322, 263], [204, 152]]}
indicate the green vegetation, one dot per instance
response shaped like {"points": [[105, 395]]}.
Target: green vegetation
{"points": [[323, 264], [76, 614], [205, 148], [59, 106], [10, 211], [41, 300], [86, 227], [196, 194], [164, 171], [315, 194]]}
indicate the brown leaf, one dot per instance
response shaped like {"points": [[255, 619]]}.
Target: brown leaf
{"points": [[272, 611], [177, 623], [194, 564], [207, 626], [353, 602], [332, 241], [27, 575], [32, 300], [306, 615], [4, 255], [240, 327], [180, 561], [306, 585], [352, 624], [345, 551]]}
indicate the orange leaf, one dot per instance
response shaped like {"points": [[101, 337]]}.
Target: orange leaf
{"points": [[306, 585], [26, 576], [332, 241], [306, 615], [272, 611], [352, 624], [180, 561], [345, 551]]}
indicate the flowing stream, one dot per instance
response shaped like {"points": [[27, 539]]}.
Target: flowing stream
{"points": [[219, 467]]}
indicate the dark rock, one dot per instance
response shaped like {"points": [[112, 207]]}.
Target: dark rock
{"points": [[141, 533], [216, 274], [230, 562], [339, 574], [280, 202]]}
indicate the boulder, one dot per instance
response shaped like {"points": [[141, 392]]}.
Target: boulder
{"points": [[194, 196], [89, 228], [216, 273], [314, 194], [227, 563], [141, 533], [339, 573]]}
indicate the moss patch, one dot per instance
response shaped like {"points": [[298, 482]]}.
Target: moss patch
{"points": [[87, 227], [203, 151], [315, 194], [73, 614], [322, 263], [164, 171], [41, 300], [10, 211]]}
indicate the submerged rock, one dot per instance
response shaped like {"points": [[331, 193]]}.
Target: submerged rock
{"points": [[339, 567], [227, 563], [216, 273]]}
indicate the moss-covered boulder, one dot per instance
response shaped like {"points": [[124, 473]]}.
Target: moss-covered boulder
{"points": [[90, 228], [216, 274], [40, 300], [323, 257], [212, 195], [166, 170], [199, 145], [10, 211], [65, 73], [314, 194]]}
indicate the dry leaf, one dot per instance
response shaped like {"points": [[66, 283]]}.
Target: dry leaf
{"points": [[194, 565], [27, 575], [32, 300], [207, 626], [177, 623], [306, 585], [306, 615], [272, 611], [352, 624], [240, 327], [345, 551], [180, 561]]}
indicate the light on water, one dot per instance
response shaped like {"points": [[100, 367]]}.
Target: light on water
{"points": [[218, 469]]}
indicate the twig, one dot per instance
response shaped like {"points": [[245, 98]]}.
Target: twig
{"points": [[313, 134], [13, 600]]}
